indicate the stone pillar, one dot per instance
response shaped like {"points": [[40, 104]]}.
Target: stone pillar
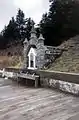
{"points": [[40, 52], [41, 40], [33, 39], [25, 53]]}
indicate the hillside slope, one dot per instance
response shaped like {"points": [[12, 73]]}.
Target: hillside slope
{"points": [[12, 56], [69, 60]]}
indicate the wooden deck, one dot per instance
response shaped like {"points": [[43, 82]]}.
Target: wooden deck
{"points": [[24, 103]]}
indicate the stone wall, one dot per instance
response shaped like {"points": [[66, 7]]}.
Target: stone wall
{"points": [[60, 85], [51, 55], [64, 86], [40, 56], [67, 82], [59, 80]]}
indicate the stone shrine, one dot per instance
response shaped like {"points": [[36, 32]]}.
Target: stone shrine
{"points": [[36, 54]]}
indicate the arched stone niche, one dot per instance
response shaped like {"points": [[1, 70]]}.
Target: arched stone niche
{"points": [[32, 58]]}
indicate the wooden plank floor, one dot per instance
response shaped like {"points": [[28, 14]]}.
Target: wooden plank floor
{"points": [[24, 103]]}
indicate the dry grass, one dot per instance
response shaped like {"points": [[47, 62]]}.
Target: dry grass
{"points": [[11, 56], [14, 61]]}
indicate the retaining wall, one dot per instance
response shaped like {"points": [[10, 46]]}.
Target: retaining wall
{"points": [[68, 82]]}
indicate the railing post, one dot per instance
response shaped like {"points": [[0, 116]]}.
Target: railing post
{"points": [[36, 82]]}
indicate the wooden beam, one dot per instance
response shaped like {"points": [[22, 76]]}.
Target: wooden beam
{"points": [[27, 76], [36, 82]]}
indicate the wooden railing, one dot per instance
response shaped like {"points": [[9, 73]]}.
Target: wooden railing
{"points": [[29, 77], [20, 76]]}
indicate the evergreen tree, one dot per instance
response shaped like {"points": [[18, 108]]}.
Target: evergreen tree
{"points": [[29, 25], [61, 22], [3, 42], [16, 30], [20, 21], [45, 28], [37, 31], [10, 32]]}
